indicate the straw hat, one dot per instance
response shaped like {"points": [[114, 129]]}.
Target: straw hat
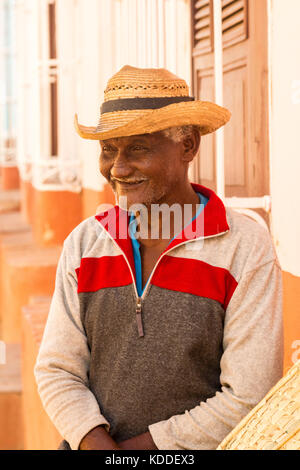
{"points": [[142, 101], [274, 424]]}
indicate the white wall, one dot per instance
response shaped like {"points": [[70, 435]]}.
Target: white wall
{"points": [[95, 38], [285, 130], [7, 82], [141, 33], [28, 143]]}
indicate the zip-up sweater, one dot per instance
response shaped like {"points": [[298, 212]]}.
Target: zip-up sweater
{"points": [[186, 361]]}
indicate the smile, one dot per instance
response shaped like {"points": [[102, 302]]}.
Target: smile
{"points": [[131, 185]]}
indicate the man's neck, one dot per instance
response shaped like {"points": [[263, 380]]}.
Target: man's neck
{"points": [[156, 229]]}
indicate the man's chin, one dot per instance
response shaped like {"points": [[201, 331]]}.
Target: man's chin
{"points": [[128, 203], [131, 202]]}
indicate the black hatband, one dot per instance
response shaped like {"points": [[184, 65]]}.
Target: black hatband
{"points": [[127, 104]]}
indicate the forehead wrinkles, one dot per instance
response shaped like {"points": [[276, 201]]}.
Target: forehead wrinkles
{"points": [[125, 140], [154, 138]]}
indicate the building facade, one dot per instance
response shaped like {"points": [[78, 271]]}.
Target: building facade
{"points": [[55, 59]]}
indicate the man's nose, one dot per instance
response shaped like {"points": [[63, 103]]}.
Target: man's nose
{"points": [[121, 167]]}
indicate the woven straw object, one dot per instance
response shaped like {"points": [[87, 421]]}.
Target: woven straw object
{"points": [[274, 424], [142, 101]]}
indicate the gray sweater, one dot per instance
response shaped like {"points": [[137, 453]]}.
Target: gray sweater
{"points": [[212, 344]]}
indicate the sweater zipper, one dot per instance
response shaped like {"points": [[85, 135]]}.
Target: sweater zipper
{"points": [[138, 309], [139, 300], [139, 320], [180, 244]]}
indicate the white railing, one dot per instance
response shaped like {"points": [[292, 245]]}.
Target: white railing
{"points": [[57, 174]]}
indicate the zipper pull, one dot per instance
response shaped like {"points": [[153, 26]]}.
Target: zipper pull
{"points": [[139, 317]]}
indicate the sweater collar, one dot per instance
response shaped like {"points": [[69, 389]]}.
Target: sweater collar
{"points": [[116, 221], [215, 221]]}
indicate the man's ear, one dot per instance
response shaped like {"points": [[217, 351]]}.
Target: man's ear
{"points": [[191, 145]]}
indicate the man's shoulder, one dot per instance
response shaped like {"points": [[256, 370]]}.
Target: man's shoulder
{"points": [[83, 236], [254, 240], [246, 224], [87, 226]]}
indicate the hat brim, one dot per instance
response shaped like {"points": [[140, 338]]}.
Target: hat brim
{"points": [[206, 115]]}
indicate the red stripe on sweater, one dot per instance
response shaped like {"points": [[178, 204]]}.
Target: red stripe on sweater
{"points": [[115, 221], [195, 277], [107, 271]]}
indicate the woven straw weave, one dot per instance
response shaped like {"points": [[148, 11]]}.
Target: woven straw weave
{"points": [[131, 82], [137, 84], [274, 424]]}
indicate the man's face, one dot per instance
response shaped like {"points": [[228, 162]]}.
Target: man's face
{"points": [[147, 169]]}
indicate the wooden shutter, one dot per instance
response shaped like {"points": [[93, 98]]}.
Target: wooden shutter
{"points": [[234, 21], [234, 24], [203, 21], [245, 67]]}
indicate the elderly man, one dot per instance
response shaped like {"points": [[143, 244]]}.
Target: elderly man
{"points": [[165, 341]]}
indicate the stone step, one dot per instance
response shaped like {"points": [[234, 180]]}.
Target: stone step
{"points": [[10, 178], [40, 433], [36, 315], [11, 412], [10, 240], [10, 201], [40, 300], [26, 270], [12, 222]]}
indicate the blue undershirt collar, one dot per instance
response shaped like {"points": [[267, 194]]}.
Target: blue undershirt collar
{"points": [[136, 245]]}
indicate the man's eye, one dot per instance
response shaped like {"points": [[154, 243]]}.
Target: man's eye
{"points": [[107, 149], [138, 148]]}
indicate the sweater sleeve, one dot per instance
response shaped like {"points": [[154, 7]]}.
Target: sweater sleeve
{"points": [[62, 365], [251, 364]]}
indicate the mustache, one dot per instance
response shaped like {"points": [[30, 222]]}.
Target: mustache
{"points": [[126, 180]]}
